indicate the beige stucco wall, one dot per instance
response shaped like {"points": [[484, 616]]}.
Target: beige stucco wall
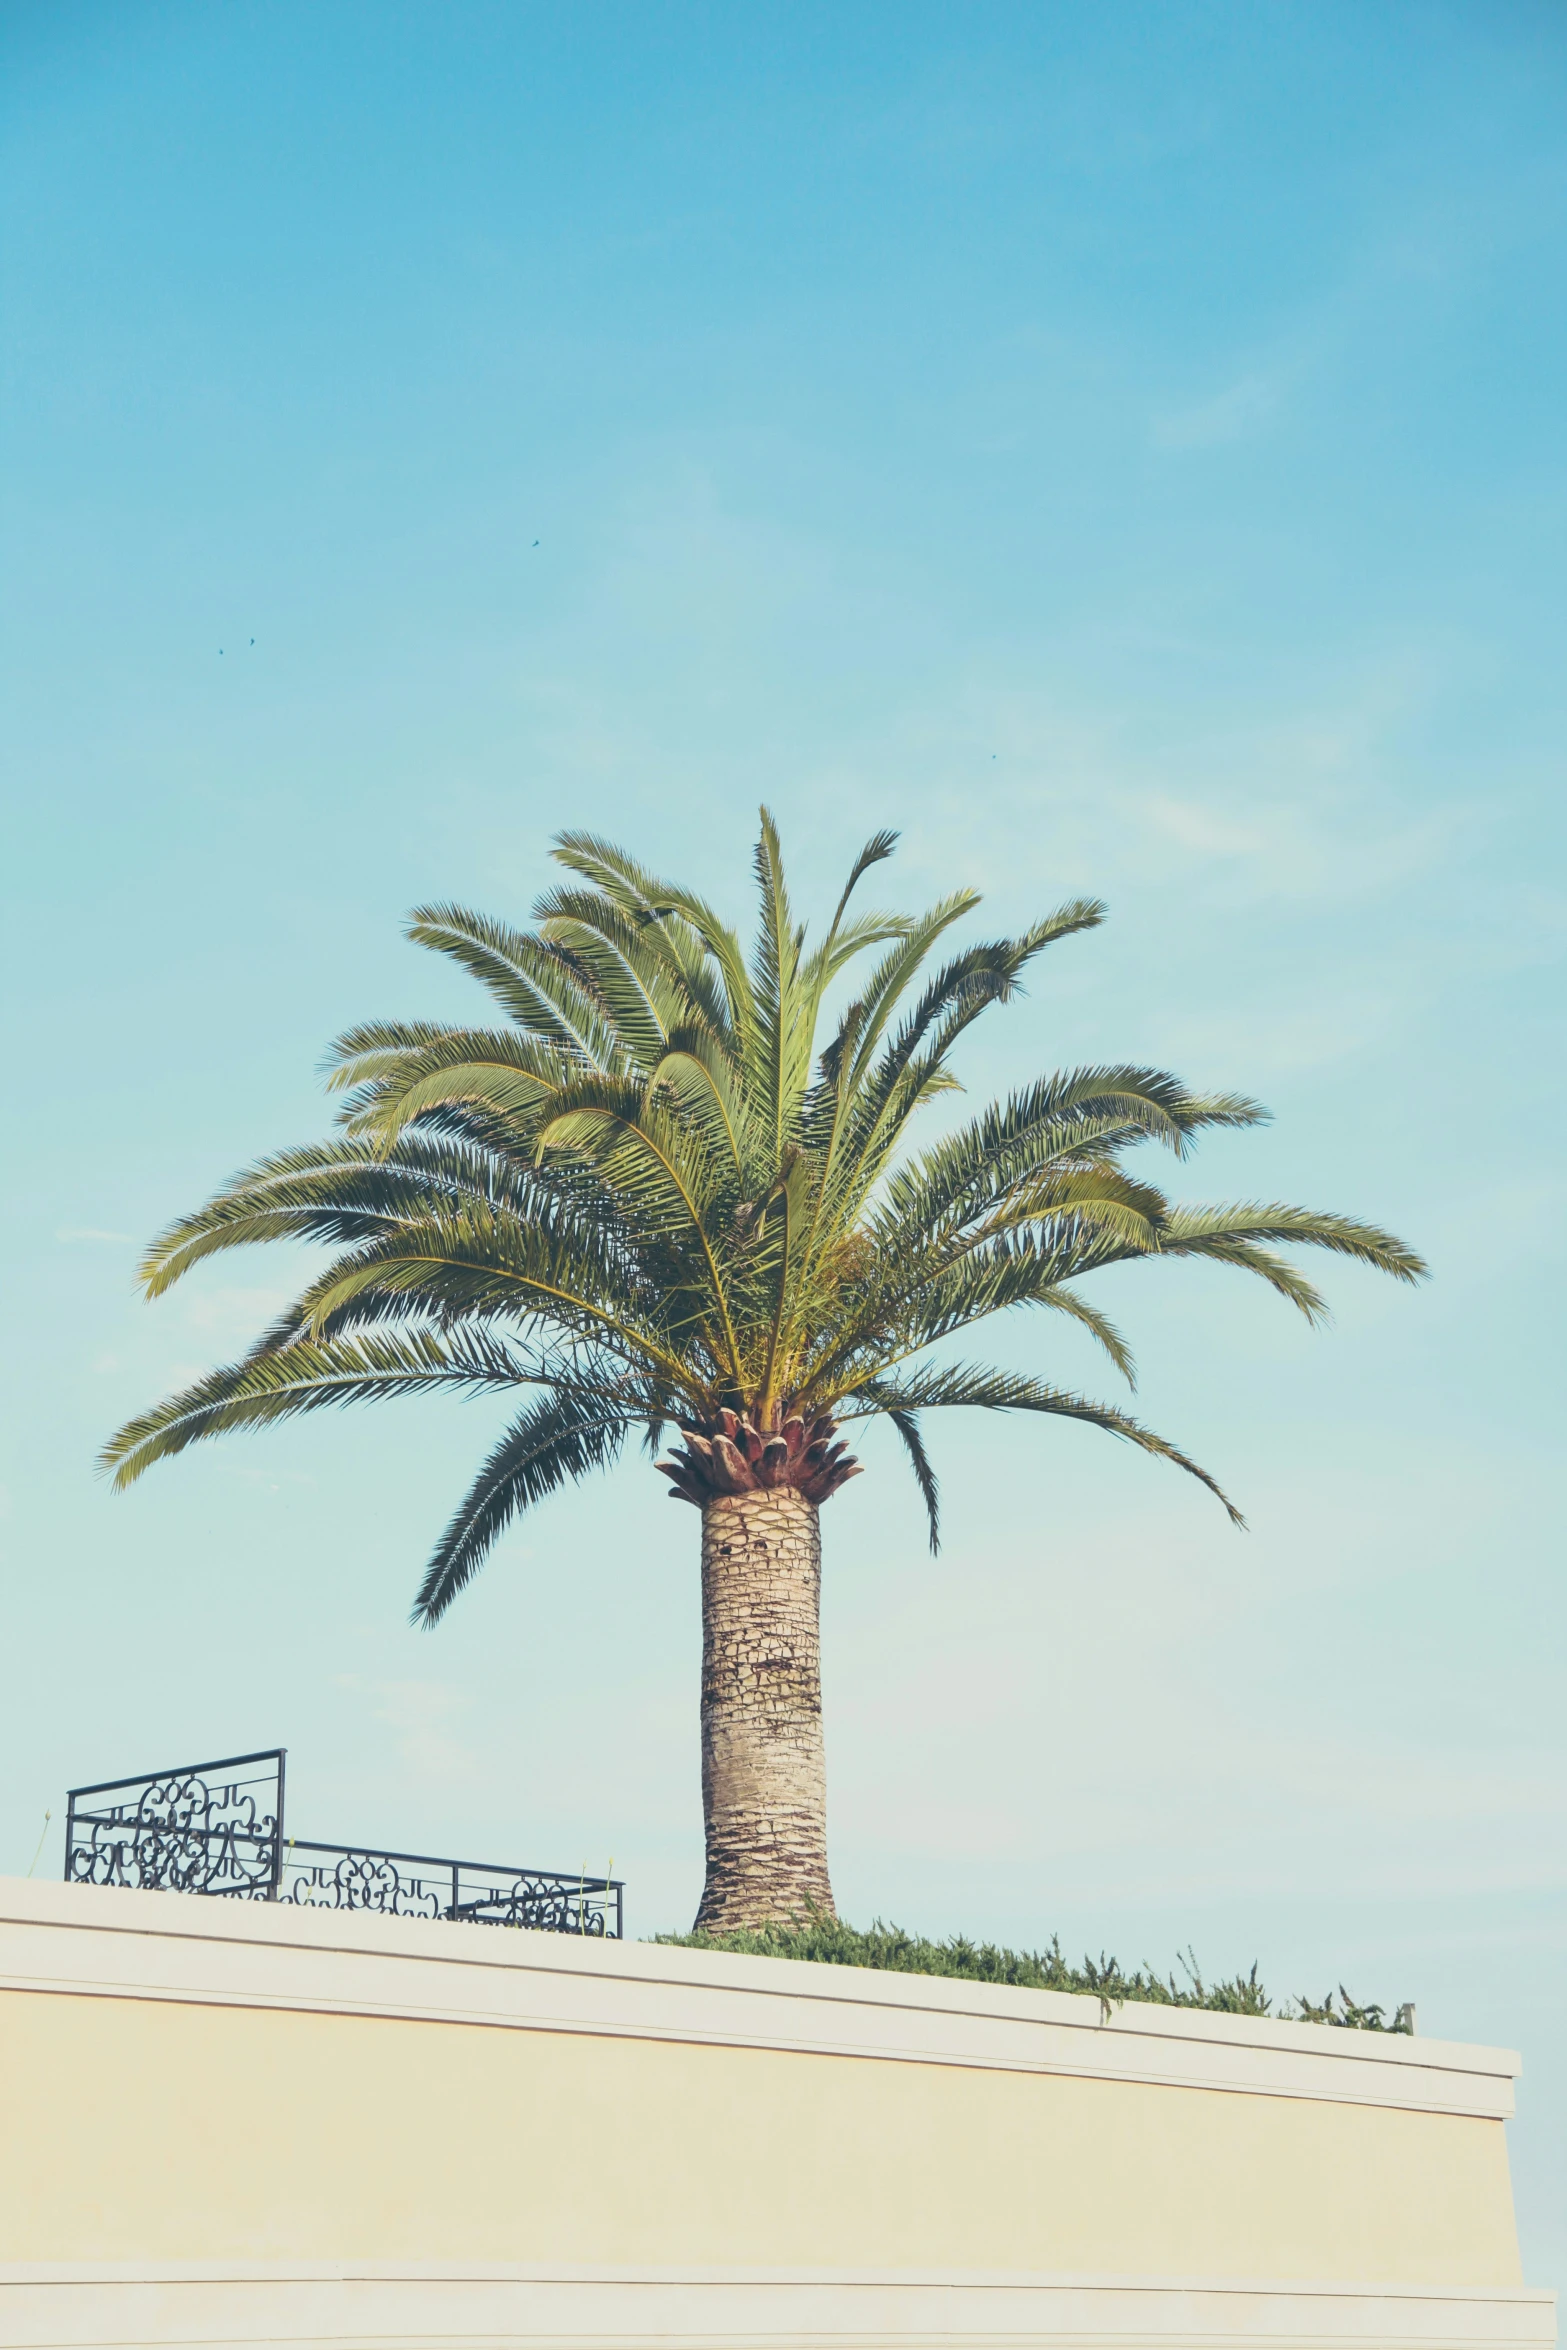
{"points": [[225, 2124], [143, 2129]]}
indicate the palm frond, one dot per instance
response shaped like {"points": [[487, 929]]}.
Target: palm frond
{"points": [[608, 955], [780, 1061], [364, 1053], [908, 1427], [1002, 1391], [511, 1077], [1269, 1266], [654, 904], [531, 980], [876, 851], [559, 1440], [1188, 1229], [337, 1192], [703, 1085], [305, 1378], [1092, 1112]]}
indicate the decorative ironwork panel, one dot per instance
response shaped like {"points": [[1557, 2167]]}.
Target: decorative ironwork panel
{"points": [[414, 1884], [336, 1876], [218, 1828], [210, 1827]]}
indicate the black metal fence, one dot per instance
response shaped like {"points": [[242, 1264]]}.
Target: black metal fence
{"points": [[217, 1827]]}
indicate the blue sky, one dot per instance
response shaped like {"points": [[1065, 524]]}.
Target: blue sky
{"points": [[1120, 447]]}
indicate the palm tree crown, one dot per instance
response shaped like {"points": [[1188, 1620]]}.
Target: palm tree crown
{"points": [[654, 1196]]}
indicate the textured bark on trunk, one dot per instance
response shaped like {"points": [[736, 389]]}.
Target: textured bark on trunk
{"points": [[764, 1776]]}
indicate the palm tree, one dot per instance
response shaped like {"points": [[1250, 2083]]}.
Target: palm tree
{"points": [[649, 1199]]}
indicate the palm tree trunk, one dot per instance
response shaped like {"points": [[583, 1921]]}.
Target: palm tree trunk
{"points": [[764, 1774]]}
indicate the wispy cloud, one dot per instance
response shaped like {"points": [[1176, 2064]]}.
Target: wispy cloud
{"points": [[234, 1313], [1208, 830], [420, 1714], [1300, 803], [1244, 407], [71, 1233], [261, 1480]]}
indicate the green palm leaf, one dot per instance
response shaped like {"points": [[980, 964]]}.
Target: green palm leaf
{"points": [[673, 1182], [975, 1388], [564, 1436], [299, 1377]]}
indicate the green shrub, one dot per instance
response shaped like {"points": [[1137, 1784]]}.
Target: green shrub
{"points": [[831, 1943]]}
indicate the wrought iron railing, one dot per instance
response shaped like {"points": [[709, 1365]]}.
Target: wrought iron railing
{"points": [[217, 1827]]}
